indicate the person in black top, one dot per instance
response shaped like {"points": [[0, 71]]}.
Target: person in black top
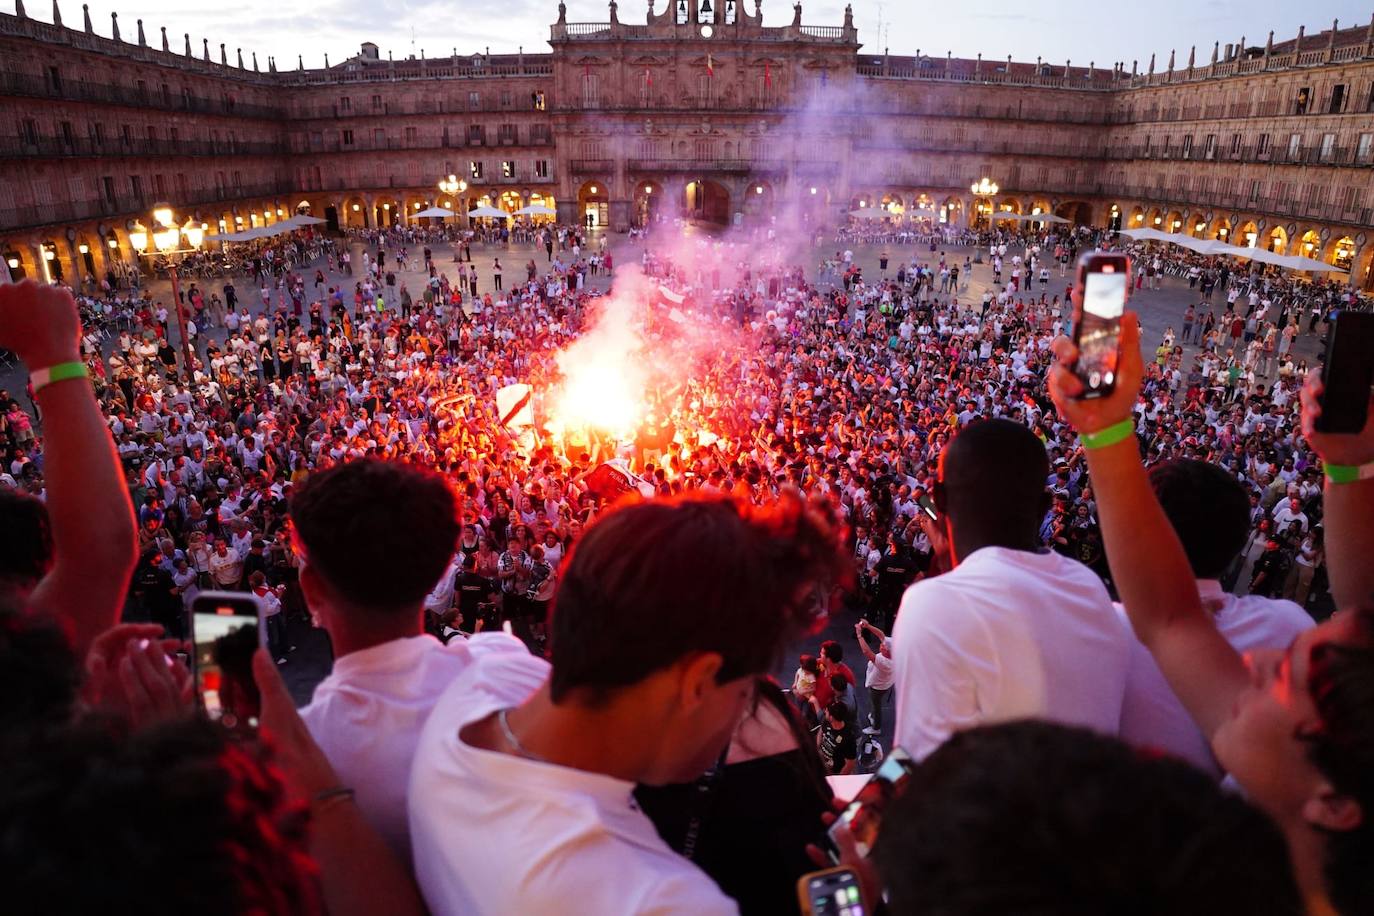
{"points": [[895, 571], [836, 743], [747, 823], [475, 599]]}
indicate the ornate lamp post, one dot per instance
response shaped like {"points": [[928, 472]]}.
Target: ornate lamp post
{"points": [[453, 186], [168, 239], [984, 187]]}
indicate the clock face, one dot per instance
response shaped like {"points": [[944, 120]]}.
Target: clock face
{"points": [[707, 31]]}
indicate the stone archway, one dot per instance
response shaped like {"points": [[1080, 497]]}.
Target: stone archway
{"points": [[594, 204], [758, 203], [647, 204], [707, 201]]}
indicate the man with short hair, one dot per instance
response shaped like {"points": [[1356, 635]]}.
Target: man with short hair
{"points": [[374, 537], [521, 789], [1013, 631], [1210, 511]]}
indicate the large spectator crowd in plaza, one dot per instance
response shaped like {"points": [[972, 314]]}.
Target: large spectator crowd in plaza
{"points": [[891, 448]]}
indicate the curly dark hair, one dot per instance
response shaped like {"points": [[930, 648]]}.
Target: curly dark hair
{"points": [[1036, 818], [39, 673], [175, 819], [650, 582], [380, 533]]}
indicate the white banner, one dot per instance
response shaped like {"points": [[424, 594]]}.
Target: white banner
{"points": [[514, 405]]}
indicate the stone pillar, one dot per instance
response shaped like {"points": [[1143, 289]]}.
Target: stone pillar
{"points": [[620, 211], [567, 212], [78, 273]]}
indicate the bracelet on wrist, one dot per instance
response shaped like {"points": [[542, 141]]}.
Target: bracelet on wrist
{"points": [[1109, 435], [1348, 473], [60, 372]]}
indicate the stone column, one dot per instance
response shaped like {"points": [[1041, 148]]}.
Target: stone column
{"points": [[619, 213]]}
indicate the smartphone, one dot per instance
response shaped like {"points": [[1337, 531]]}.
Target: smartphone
{"points": [[1347, 373], [226, 629], [928, 507], [832, 892], [864, 815], [1100, 292]]}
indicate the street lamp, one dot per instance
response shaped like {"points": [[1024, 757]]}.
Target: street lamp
{"points": [[168, 239], [454, 186], [984, 188]]}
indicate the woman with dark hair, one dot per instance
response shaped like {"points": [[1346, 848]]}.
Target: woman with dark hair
{"points": [[1295, 727], [747, 822]]}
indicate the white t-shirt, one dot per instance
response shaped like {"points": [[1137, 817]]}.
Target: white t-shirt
{"points": [[1152, 716], [367, 714], [881, 673], [498, 834], [1007, 634]]}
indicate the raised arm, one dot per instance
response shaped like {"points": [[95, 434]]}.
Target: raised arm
{"points": [[1147, 560], [93, 529], [1348, 503]]}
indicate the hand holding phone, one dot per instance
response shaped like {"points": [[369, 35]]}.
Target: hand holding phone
{"points": [[1100, 293], [227, 628], [1347, 374], [832, 892]]}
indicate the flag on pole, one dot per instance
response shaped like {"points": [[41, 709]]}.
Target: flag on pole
{"points": [[767, 75], [648, 78], [513, 405], [710, 65]]}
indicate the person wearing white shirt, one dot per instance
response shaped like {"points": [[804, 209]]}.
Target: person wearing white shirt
{"points": [[521, 791], [1013, 631], [1210, 512], [879, 677], [375, 538]]}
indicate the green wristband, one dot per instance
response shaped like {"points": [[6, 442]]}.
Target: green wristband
{"points": [[41, 378], [1111, 435], [1348, 473]]}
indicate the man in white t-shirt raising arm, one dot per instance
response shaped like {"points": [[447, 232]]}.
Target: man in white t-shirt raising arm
{"points": [[1014, 630], [520, 796], [879, 677]]}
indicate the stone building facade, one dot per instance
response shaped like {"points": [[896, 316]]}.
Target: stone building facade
{"points": [[698, 108]]}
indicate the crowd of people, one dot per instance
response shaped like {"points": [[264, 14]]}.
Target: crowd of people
{"points": [[537, 695]]}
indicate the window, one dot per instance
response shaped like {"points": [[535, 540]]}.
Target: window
{"points": [[1262, 145], [475, 169], [98, 132], [1328, 147], [166, 95], [590, 92], [68, 135], [1255, 188], [539, 133], [126, 133], [1366, 144], [474, 101], [1210, 151], [345, 103], [54, 79], [1337, 99], [537, 101], [142, 89], [108, 186], [476, 135], [1294, 146], [1235, 144], [1304, 98], [346, 137], [507, 134], [160, 186], [377, 102], [379, 138], [505, 98], [507, 168], [136, 185], [412, 136], [1187, 146], [30, 130], [1148, 141], [541, 168]]}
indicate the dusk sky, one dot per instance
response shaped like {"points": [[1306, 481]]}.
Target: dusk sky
{"points": [[1066, 29]]}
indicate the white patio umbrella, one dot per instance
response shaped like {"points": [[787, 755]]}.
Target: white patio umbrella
{"points": [[434, 213], [1049, 218], [872, 213], [1146, 234], [490, 212], [305, 219], [1263, 255], [536, 210], [1302, 262], [1201, 246]]}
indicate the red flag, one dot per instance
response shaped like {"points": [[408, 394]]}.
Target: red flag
{"points": [[710, 67], [648, 78], [767, 75]]}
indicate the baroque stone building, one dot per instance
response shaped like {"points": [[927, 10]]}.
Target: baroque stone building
{"points": [[698, 107]]}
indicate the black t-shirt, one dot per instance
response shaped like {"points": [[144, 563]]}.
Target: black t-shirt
{"points": [[837, 746], [472, 591]]}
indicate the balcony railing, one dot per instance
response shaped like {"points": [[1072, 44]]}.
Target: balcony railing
{"points": [[61, 148], [131, 205], [741, 166], [591, 166], [23, 84]]}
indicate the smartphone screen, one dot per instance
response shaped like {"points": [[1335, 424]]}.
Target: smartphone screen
{"points": [[928, 507], [1097, 332], [834, 892], [226, 629], [864, 815], [1347, 373]]}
